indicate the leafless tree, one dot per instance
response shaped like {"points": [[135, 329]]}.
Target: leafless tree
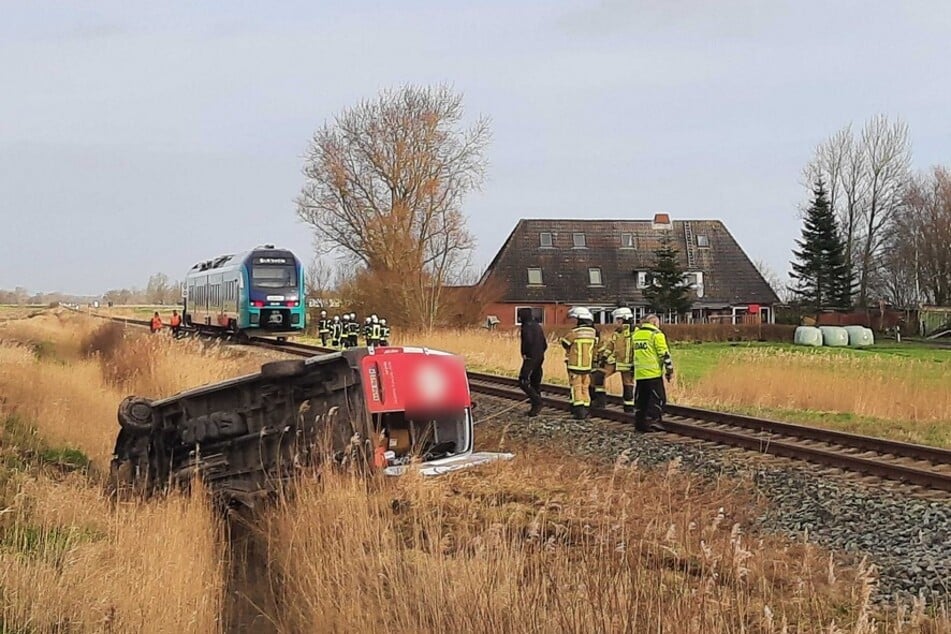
{"points": [[318, 280], [384, 187], [919, 251], [772, 278], [866, 176]]}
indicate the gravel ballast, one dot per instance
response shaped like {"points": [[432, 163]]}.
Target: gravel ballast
{"points": [[907, 538]]}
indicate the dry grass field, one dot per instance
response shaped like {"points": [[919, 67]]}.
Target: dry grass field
{"points": [[899, 392], [532, 545]]}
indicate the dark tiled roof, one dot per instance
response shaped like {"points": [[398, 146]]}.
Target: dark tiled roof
{"points": [[729, 277]]}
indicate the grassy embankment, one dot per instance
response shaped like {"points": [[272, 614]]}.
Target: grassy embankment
{"points": [[536, 544]]}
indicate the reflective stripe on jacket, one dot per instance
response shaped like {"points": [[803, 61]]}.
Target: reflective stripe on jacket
{"points": [[579, 345], [619, 350], [651, 354]]}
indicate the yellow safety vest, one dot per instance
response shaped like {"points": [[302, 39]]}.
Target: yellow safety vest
{"points": [[650, 351]]}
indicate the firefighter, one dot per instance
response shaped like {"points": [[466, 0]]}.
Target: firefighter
{"points": [[651, 362], [345, 331], [336, 331], [579, 345], [353, 335], [323, 328], [366, 332], [375, 333], [616, 354], [175, 322], [533, 346], [384, 333], [156, 324]]}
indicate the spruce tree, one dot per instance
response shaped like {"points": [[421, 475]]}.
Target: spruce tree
{"points": [[823, 277], [667, 289]]}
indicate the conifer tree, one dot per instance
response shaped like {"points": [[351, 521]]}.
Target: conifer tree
{"points": [[667, 289], [823, 277]]}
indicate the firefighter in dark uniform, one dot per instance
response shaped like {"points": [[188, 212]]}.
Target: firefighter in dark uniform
{"points": [[366, 332], [533, 344], [376, 334], [384, 333], [651, 362], [336, 332], [579, 345], [616, 355], [353, 332], [323, 328]]}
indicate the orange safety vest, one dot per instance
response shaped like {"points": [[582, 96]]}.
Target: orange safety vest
{"points": [[156, 323], [176, 321]]}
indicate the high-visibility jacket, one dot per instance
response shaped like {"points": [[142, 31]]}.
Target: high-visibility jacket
{"points": [[176, 321], [375, 333], [385, 333], [336, 332], [618, 349], [323, 326], [579, 345], [156, 323], [651, 354]]}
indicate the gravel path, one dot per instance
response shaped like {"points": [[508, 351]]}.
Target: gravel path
{"points": [[907, 538]]}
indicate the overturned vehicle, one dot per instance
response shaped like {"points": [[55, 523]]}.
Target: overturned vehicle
{"points": [[389, 409]]}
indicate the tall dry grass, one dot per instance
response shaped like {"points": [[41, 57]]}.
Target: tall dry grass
{"points": [[70, 559], [882, 387], [550, 545]]}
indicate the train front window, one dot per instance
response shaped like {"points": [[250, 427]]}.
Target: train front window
{"points": [[274, 276]]}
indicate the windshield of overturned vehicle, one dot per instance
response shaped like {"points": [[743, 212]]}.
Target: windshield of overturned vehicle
{"points": [[270, 276]]}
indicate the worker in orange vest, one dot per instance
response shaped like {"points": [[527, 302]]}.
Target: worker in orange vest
{"points": [[156, 323], [175, 322]]}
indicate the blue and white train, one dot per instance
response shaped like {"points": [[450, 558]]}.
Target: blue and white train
{"points": [[259, 290]]}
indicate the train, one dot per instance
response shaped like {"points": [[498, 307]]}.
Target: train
{"points": [[387, 410], [261, 290]]}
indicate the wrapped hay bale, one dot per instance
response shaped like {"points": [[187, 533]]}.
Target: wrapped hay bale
{"points": [[834, 336], [859, 336], [808, 336]]}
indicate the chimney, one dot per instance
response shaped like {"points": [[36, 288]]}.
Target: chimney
{"points": [[661, 221]]}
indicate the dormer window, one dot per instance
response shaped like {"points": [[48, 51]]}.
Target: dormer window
{"points": [[703, 241], [594, 277], [578, 240], [534, 277], [627, 241], [545, 240]]}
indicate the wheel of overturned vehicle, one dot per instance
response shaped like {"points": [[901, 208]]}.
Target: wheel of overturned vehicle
{"points": [[135, 414], [283, 369]]}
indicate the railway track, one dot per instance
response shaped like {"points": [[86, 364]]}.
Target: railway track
{"points": [[918, 465]]}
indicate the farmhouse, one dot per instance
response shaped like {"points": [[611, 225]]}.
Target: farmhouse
{"points": [[552, 265]]}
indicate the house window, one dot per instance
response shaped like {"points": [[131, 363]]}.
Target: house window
{"points": [[544, 240], [703, 241], [534, 276], [538, 314], [627, 241], [578, 240], [594, 276], [642, 279]]}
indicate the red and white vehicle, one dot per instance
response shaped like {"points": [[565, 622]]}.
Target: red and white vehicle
{"points": [[388, 408]]}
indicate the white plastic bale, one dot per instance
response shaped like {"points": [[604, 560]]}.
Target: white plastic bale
{"points": [[808, 336], [834, 336], [859, 336]]}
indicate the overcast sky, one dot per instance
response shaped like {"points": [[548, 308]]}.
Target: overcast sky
{"points": [[140, 137]]}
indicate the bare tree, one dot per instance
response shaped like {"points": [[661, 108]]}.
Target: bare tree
{"points": [[384, 187], [919, 250], [887, 151], [318, 280], [866, 176], [772, 278]]}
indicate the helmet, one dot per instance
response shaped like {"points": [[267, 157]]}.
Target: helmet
{"points": [[623, 313], [336, 317], [580, 313], [367, 320], [382, 322], [323, 313], [373, 319], [346, 316], [353, 315]]}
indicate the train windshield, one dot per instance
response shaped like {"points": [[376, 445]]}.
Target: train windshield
{"points": [[273, 276]]}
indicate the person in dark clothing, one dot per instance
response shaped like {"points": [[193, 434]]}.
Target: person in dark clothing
{"points": [[534, 345]]}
